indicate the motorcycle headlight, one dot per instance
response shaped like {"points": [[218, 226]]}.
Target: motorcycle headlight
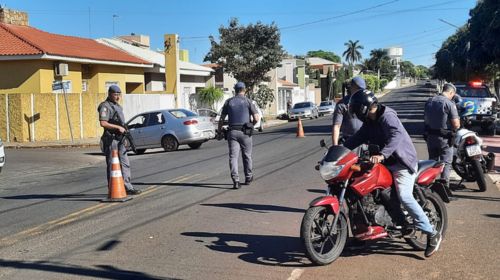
{"points": [[329, 170]]}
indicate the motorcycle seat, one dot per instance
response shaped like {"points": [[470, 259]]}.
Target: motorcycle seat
{"points": [[424, 165]]}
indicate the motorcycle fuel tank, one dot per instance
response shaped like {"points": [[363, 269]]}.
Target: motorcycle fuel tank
{"points": [[378, 177]]}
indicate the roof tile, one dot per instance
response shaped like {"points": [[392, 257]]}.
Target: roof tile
{"points": [[25, 40]]}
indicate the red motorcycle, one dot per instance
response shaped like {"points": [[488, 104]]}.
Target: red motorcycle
{"points": [[361, 198]]}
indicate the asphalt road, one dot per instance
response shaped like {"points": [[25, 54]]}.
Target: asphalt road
{"points": [[190, 224]]}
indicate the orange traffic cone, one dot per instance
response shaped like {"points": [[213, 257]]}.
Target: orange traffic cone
{"points": [[300, 129], [116, 188]]}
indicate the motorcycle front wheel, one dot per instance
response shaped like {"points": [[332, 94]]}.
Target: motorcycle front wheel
{"points": [[478, 170], [435, 210], [321, 247]]}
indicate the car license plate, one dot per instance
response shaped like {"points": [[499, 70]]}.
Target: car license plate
{"points": [[473, 150]]}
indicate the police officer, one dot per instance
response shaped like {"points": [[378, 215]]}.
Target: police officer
{"points": [[112, 120], [441, 120], [382, 127], [242, 115], [343, 122]]}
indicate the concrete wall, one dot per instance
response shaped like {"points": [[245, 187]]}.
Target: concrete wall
{"points": [[43, 117], [134, 104]]}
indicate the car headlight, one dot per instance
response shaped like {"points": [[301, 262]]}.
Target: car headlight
{"points": [[329, 170], [307, 111]]}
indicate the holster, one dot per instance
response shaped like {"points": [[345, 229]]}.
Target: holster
{"points": [[248, 129]]}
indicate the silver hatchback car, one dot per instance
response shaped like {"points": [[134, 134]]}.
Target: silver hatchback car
{"points": [[168, 129]]}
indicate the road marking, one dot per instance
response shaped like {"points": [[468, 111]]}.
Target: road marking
{"points": [[9, 240], [296, 273]]}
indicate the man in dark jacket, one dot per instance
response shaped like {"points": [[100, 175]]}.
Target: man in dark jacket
{"points": [[382, 127]]}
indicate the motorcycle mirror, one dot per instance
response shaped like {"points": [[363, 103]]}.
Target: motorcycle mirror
{"points": [[322, 143]]}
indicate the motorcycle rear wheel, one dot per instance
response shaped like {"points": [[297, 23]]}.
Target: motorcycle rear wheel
{"points": [[322, 248], [435, 209], [478, 170]]}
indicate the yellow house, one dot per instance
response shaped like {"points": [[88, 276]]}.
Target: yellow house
{"points": [[51, 85]]}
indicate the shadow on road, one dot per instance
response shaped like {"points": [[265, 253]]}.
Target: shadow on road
{"points": [[270, 250], [101, 272], [258, 208], [66, 197], [497, 216], [382, 247], [485, 198], [317, 191], [195, 185]]}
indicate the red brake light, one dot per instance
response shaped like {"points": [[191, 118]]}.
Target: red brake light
{"points": [[470, 141], [190, 122], [476, 84]]}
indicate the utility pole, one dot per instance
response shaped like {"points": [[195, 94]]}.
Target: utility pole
{"points": [[114, 16]]}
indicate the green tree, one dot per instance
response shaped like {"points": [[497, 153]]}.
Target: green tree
{"points": [[408, 69], [263, 96], [247, 52], [377, 56], [352, 53], [468, 53], [325, 55], [210, 95]]}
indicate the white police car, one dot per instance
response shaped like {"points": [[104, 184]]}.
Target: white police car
{"points": [[479, 105]]}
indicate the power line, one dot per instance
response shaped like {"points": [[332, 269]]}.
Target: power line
{"points": [[339, 16]]}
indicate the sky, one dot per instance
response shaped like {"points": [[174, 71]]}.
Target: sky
{"points": [[418, 26]]}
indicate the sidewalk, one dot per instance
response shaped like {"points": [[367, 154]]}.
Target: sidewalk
{"points": [[90, 142], [80, 143]]}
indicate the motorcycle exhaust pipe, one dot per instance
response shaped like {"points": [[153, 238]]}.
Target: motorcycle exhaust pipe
{"points": [[490, 161]]}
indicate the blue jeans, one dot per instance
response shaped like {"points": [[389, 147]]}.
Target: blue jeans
{"points": [[404, 182]]}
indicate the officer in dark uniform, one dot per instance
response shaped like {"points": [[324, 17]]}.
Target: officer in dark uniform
{"points": [[343, 122], [441, 120], [242, 115], [112, 120]]}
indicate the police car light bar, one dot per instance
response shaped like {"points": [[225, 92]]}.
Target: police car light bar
{"points": [[475, 84]]}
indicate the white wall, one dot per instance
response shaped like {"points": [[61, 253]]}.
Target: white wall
{"points": [[134, 104]]}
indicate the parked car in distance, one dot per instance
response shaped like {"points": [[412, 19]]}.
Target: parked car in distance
{"points": [[326, 107], [2, 155], [481, 105], [168, 129], [305, 109]]}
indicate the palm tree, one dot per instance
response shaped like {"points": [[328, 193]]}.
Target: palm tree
{"points": [[352, 53], [377, 56]]}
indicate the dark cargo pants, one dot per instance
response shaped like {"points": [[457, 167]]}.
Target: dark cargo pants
{"points": [[439, 149], [237, 141]]}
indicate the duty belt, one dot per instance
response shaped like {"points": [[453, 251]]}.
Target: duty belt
{"points": [[236, 127]]}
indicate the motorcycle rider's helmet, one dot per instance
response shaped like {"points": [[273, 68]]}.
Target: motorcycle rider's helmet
{"points": [[361, 102]]}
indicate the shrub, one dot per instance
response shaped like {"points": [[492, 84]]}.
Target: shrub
{"points": [[210, 95], [383, 83]]}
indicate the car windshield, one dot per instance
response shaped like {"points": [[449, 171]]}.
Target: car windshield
{"points": [[473, 92], [325, 103], [302, 105], [182, 113]]}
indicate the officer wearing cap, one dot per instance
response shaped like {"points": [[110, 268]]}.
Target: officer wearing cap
{"points": [[112, 120], [441, 120], [242, 115], [343, 122]]}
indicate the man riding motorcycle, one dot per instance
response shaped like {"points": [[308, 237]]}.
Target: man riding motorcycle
{"points": [[382, 127]]}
